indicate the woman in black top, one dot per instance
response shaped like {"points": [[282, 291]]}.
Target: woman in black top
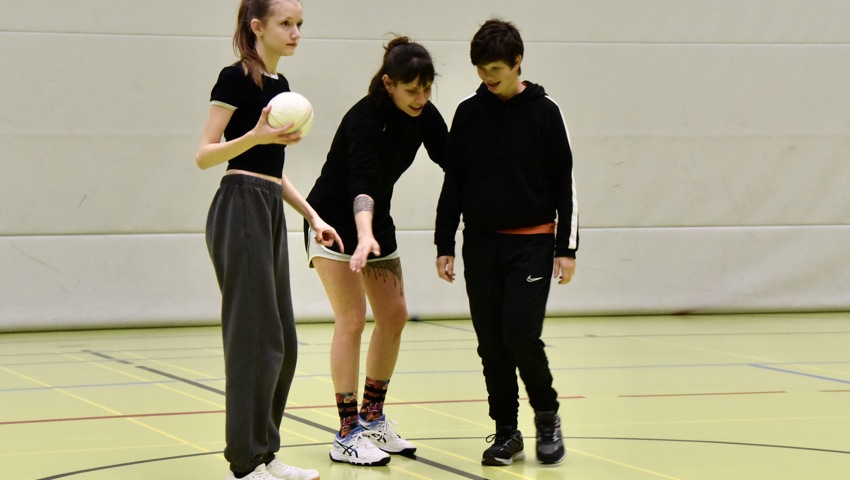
{"points": [[375, 143], [246, 238]]}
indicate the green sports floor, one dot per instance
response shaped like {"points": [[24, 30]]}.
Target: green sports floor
{"points": [[682, 397]]}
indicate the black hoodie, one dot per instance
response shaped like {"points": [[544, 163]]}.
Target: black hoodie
{"points": [[509, 165]]}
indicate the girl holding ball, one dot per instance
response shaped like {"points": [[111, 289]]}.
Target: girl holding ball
{"points": [[246, 238], [375, 143]]}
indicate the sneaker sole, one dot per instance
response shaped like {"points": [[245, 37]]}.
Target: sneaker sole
{"points": [[502, 462], [407, 452], [353, 461], [551, 462]]}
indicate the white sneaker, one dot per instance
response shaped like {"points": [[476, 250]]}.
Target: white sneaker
{"points": [[358, 449], [259, 473], [288, 472], [387, 438]]}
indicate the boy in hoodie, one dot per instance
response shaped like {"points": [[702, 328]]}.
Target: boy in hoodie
{"points": [[509, 173]]}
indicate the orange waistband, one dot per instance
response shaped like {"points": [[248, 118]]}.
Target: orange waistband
{"points": [[537, 229]]}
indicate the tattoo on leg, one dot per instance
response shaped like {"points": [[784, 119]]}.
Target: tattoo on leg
{"points": [[383, 269]]}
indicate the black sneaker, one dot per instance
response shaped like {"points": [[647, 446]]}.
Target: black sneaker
{"points": [[550, 442], [507, 447]]}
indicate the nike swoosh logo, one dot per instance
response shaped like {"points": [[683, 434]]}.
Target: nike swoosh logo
{"points": [[533, 279]]}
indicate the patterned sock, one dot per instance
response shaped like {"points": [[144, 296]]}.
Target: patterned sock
{"points": [[374, 395], [346, 406]]}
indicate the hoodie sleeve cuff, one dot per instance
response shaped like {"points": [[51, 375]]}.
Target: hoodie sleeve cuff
{"points": [[447, 250]]}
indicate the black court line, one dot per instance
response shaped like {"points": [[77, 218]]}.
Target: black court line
{"points": [[127, 464], [673, 440], [713, 442], [108, 357], [465, 474], [802, 374], [445, 468], [182, 380]]}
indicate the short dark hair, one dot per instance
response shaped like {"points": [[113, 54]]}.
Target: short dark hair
{"points": [[496, 40]]}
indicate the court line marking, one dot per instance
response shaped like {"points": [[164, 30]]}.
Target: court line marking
{"points": [[704, 394], [621, 464], [319, 410], [110, 410], [707, 350], [685, 394], [126, 464], [629, 439], [445, 468], [802, 374], [715, 442]]}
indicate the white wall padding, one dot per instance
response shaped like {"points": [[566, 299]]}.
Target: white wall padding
{"points": [[711, 142]]}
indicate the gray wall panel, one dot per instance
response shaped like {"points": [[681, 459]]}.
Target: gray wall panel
{"points": [[711, 141], [599, 21]]}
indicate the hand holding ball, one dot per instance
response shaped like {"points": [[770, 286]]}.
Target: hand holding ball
{"points": [[291, 107]]}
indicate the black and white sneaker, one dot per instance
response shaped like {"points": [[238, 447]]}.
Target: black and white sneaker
{"points": [[550, 442], [507, 447]]}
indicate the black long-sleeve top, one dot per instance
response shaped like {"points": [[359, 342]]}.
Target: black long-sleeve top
{"points": [[373, 146], [509, 166]]}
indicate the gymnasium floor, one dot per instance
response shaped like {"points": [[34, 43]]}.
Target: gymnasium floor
{"points": [[696, 397]]}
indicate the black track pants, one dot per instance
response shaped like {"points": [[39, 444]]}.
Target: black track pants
{"points": [[246, 238], [507, 282]]}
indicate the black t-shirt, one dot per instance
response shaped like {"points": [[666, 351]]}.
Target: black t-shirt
{"points": [[237, 91]]}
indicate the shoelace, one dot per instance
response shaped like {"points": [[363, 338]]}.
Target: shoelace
{"points": [[384, 430], [549, 432], [357, 441], [499, 438]]}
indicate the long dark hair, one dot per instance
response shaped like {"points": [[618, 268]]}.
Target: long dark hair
{"points": [[404, 61], [244, 40]]}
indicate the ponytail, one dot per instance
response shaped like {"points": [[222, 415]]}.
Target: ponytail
{"points": [[245, 41], [404, 61]]}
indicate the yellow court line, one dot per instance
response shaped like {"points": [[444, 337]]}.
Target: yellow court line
{"points": [[87, 450], [465, 458], [300, 435], [334, 415], [400, 469], [167, 364], [626, 465], [706, 350], [747, 357], [708, 421], [322, 379], [460, 457], [107, 409], [143, 379], [177, 367], [438, 412], [474, 461]]}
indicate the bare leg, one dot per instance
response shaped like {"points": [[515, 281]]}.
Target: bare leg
{"points": [[385, 289], [348, 301]]}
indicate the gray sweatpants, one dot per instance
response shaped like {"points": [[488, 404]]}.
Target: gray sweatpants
{"points": [[246, 238]]}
